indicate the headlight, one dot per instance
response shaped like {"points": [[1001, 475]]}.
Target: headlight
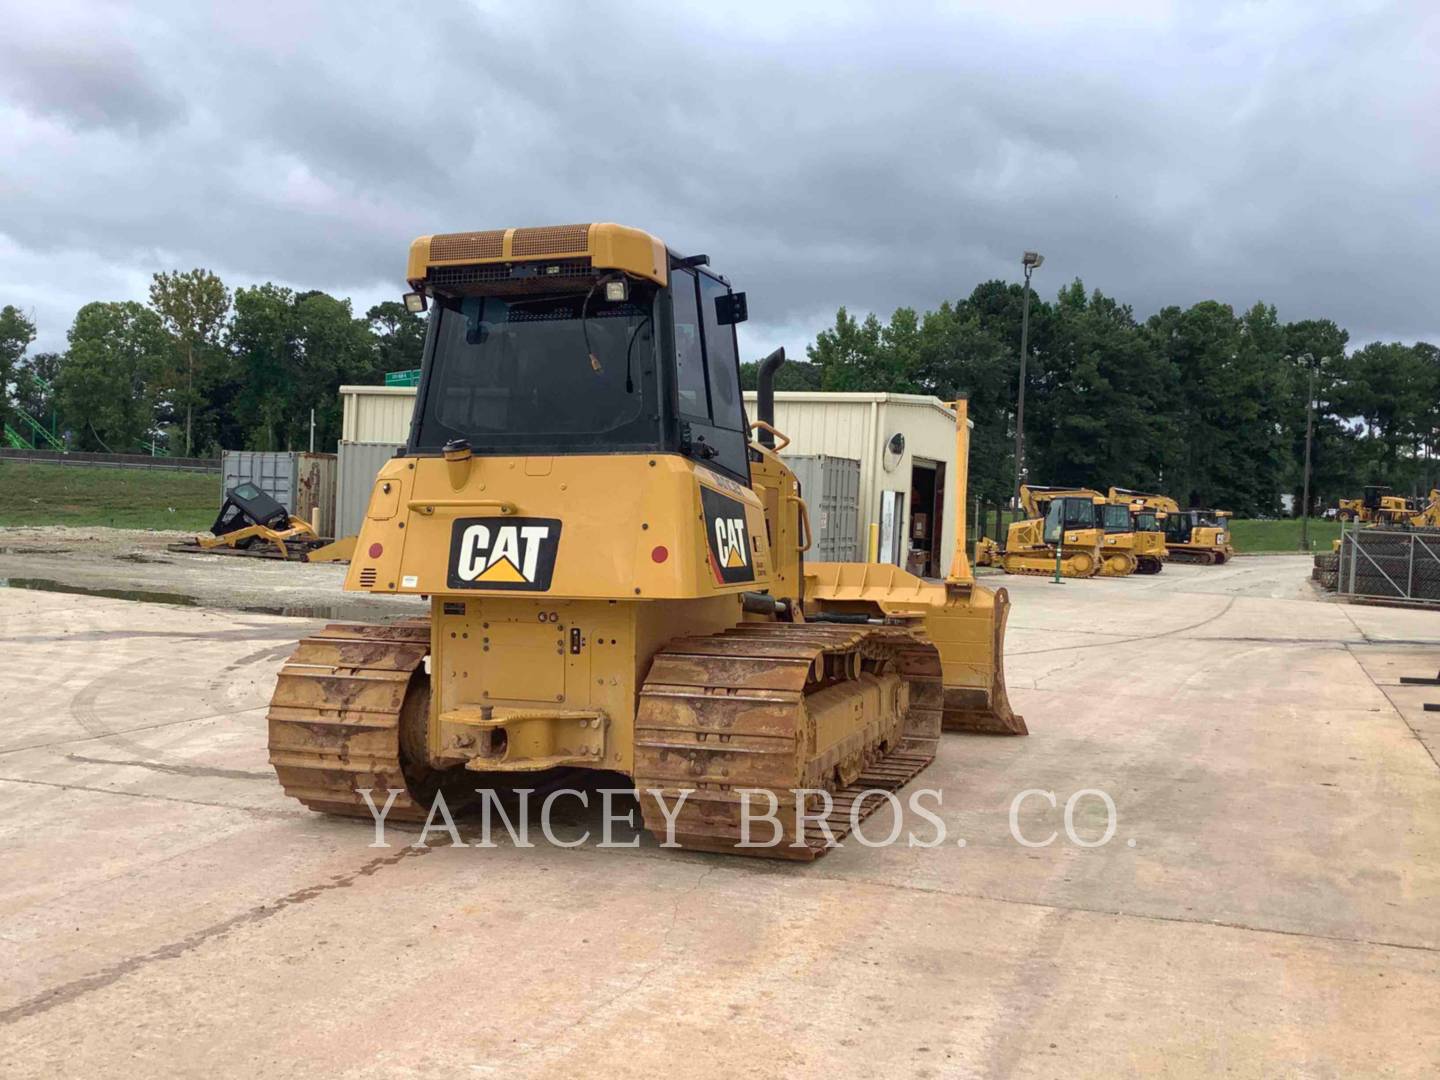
{"points": [[1220, 538]]}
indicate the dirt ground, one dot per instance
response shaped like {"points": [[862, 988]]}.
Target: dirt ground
{"points": [[1268, 903]]}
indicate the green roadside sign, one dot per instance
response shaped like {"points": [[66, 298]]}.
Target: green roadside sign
{"points": [[403, 378]]}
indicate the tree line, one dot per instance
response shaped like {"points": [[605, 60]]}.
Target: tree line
{"points": [[1202, 403], [199, 368]]}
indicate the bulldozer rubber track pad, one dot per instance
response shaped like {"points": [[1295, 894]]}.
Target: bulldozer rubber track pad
{"points": [[726, 718]]}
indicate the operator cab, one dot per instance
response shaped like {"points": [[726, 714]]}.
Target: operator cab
{"points": [[1068, 512], [535, 358], [1115, 518], [1179, 526], [1147, 521]]}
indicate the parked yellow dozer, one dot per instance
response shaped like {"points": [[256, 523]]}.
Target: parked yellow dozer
{"points": [[1192, 536], [615, 572], [1063, 518], [1146, 531]]}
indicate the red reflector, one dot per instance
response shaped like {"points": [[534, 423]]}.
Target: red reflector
{"points": [[660, 554], [376, 550]]}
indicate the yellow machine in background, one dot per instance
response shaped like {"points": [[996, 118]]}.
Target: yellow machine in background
{"points": [[1149, 530], [1194, 536], [615, 571], [1145, 547], [1377, 507], [1064, 518]]}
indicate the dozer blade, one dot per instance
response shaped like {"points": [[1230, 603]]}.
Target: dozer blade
{"points": [[964, 621], [969, 632]]}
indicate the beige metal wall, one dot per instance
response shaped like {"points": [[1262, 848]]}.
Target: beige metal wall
{"points": [[376, 414], [857, 425]]}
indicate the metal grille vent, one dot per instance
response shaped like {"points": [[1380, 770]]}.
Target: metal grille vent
{"points": [[551, 240], [367, 578], [468, 245], [490, 272]]}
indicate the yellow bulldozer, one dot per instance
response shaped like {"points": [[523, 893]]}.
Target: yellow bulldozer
{"points": [[1377, 506], [1063, 519], [1139, 533], [1191, 536], [616, 575]]}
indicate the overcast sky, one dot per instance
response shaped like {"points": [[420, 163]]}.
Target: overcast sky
{"points": [[826, 154]]}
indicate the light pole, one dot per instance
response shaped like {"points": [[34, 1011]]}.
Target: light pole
{"points": [[1309, 433], [1030, 262]]}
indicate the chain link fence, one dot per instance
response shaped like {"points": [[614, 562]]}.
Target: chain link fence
{"points": [[1386, 564]]}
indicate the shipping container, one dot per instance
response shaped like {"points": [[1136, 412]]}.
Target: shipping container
{"points": [[359, 462], [376, 414], [830, 487], [303, 483]]}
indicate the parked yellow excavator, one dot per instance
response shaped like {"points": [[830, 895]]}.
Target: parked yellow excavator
{"points": [[616, 575], [1193, 536]]}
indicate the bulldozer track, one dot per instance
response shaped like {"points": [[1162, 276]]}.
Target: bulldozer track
{"points": [[1074, 565], [1200, 558], [335, 718], [723, 715]]}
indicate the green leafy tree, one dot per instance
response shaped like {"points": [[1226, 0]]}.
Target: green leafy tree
{"points": [[109, 381], [399, 336], [193, 306], [16, 334], [293, 352], [793, 375]]}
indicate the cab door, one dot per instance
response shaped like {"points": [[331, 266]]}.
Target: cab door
{"points": [[707, 375]]}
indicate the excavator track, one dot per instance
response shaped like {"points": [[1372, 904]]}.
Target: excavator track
{"points": [[1148, 564], [337, 715], [737, 711]]}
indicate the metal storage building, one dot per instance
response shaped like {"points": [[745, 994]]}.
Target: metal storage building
{"points": [[907, 485], [376, 414]]}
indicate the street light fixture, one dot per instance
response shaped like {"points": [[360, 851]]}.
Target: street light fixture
{"points": [[1029, 262]]}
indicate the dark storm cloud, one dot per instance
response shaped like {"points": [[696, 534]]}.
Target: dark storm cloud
{"points": [[822, 156]]}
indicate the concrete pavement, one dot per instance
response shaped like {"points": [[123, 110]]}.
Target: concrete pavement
{"points": [[1269, 902]]}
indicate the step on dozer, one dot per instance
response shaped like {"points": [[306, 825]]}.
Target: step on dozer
{"points": [[616, 576]]}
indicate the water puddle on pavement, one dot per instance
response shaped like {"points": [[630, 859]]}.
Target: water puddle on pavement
{"points": [[150, 596], [143, 596]]}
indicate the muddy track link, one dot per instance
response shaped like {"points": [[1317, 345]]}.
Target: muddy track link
{"points": [[740, 709], [335, 718]]}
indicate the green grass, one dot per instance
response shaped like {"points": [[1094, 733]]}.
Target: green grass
{"points": [[1250, 537], [37, 494]]}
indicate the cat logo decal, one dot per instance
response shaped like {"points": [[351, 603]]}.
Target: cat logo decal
{"points": [[503, 553], [728, 536]]}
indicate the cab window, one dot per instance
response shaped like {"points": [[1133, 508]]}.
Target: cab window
{"points": [[689, 352], [721, 359]]}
